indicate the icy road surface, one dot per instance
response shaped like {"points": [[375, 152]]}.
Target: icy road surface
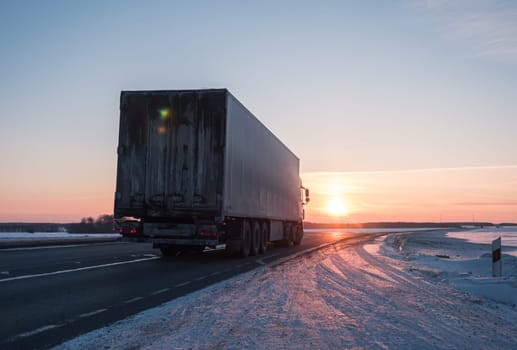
{"points": [[373, 296]]}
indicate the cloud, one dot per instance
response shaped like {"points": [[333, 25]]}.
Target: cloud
{"points": [[488, 27], [467, 168], [485, 204]]}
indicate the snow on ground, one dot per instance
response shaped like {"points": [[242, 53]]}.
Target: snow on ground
{"points": [[389, 294], [5, 236], [463, 259], [485, 236]]}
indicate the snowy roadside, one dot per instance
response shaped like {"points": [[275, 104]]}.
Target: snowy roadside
{"points": [[463, 260], [25, 239], [360, 296], [38, 239]]}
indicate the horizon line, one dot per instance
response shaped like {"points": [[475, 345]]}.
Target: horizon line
{"points": [[307, 222]]}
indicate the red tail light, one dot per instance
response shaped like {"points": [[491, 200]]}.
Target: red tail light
{"points": [[206, 233], [126, 230]]}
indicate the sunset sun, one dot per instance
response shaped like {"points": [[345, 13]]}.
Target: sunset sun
{"points": [[337, 207]]}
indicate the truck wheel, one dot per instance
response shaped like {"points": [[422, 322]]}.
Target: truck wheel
{"points": [[255, 239], [288, 236], [169, 251], [298, 235], [263, 238], [246, 239]]}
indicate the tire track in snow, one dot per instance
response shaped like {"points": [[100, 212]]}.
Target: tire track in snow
{"points": [[337, 297]]}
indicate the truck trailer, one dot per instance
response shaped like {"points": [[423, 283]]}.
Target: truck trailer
{"points": [[196, 169]]}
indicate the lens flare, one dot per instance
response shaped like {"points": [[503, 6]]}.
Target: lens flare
{"points": [[165, 113]]}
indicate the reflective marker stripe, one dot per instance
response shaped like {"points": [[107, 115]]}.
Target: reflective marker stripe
{"points": [[496, 255]]}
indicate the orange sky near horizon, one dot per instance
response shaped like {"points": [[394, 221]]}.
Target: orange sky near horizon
{"points": [[428, 195], [57, 198]]}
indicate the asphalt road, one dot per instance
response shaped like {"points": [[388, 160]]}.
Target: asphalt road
{"points": [[51, 294]]}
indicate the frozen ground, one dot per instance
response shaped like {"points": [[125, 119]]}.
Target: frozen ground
{"points": [[8, 239], [389, 294], [4, 236], [43, 235], [486, 235], [463, 259]]}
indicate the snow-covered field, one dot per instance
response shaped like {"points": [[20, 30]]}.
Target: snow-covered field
{"points": [[25, 236], [463, 259], [426, 290], [486, 235], [47, 235]]}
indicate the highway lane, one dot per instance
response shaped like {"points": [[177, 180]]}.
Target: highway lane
{"points": [[48, 295]]}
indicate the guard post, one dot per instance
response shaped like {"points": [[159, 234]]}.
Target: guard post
{"points": [[496, 258]]}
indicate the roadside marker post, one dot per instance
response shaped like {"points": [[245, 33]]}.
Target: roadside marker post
{"points": [[496, 258]]}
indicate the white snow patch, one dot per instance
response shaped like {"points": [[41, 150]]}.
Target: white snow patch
{"points": [[487, 235], [39, 235], [463, 259], [361, 296]]}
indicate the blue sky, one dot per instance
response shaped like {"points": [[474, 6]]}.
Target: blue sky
{"points": [[348, 86]]}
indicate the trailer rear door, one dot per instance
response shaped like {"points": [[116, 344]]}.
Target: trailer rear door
{"points": [[173, 161]]}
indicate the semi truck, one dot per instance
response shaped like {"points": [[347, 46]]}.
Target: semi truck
{"points": [[197, 169]]}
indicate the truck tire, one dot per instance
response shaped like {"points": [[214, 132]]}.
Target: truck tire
{"points": [[288, 236], [169, 251], [244, 252], [255, 239], [263, 238], [298, 235]]}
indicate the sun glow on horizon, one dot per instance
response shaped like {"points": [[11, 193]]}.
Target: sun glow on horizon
{"points": [[337, 207], [434, 195]]}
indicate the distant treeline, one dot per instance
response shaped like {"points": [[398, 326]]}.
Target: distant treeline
{"points": [[103, 224]]}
